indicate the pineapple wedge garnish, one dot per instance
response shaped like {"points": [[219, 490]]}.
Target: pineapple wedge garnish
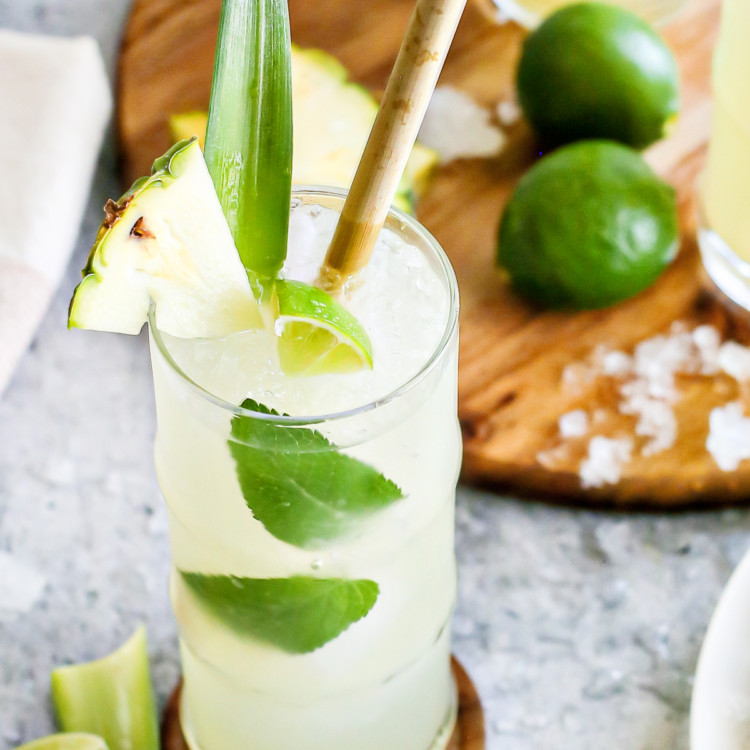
{"points": [[166, 243]]}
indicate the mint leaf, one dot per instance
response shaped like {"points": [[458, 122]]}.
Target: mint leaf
{"points": [[298, 485], [297, 614]]}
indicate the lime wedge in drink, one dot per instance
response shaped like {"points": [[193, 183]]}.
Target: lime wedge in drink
{"points": [[66, 741], [316, 334], [111, 698], [166, 243]]}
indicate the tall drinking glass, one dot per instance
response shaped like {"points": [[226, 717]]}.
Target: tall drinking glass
{"points": [[313, 574], [531, 13], [724, 233]]}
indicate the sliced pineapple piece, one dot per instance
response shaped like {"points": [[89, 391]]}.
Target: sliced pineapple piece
{"points": [[166, 242], [188, 125], [333, 117]]}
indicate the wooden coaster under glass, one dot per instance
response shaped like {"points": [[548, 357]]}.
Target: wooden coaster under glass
{"points": [[467, 735]]}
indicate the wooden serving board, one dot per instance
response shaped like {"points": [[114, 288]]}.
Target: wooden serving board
{"points": [[512, 355], [468, 733]]}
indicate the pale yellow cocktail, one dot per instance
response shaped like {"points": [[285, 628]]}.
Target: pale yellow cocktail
{"points": [[307, 623], [725, 186], [532, 12]]}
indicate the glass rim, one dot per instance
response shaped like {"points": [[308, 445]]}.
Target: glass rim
{"points": [[297, 421]]}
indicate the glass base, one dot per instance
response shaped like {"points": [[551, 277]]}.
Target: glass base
{"points": [[441, 741], [446, 731], [727, 270]]}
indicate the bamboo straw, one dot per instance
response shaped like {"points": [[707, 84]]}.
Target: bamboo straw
{"points": [[415, 73]]}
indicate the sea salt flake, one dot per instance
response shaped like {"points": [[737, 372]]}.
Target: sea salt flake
{"points": [[21, 585], [648, 390], [634, 393], [459, 128], [616, 364], [508, 112], [658, 359], [728, 436], [706, 336], [734, 360], [657, 421], [707, 339], [656, 418], [574, 424], [605, 460]]}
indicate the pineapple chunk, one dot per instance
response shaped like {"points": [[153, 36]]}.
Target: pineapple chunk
{"points": [[333, 118]]}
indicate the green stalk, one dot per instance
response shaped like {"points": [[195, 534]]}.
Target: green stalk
{"points": [[249, 133]]}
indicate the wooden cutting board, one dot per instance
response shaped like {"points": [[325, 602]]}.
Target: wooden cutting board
{"points": [[512, 356]]}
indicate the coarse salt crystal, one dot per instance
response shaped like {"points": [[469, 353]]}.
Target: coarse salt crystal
{"points": [[508, 112], [655, 416], [459, 128], [706, 336], [734, 360], [648, 391], [617, 364], [728, 436], [657, 421], [574, 424], [658, 359], [708, 340], [604, 462]]}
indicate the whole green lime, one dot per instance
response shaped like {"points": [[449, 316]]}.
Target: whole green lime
{"points": [[597, 71], [587, 226]]}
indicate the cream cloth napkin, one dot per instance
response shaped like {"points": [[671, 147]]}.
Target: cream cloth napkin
{"points": [[55, 102]]}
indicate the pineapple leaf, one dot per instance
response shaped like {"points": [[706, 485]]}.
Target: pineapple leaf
{"points": [[249, 133]]}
